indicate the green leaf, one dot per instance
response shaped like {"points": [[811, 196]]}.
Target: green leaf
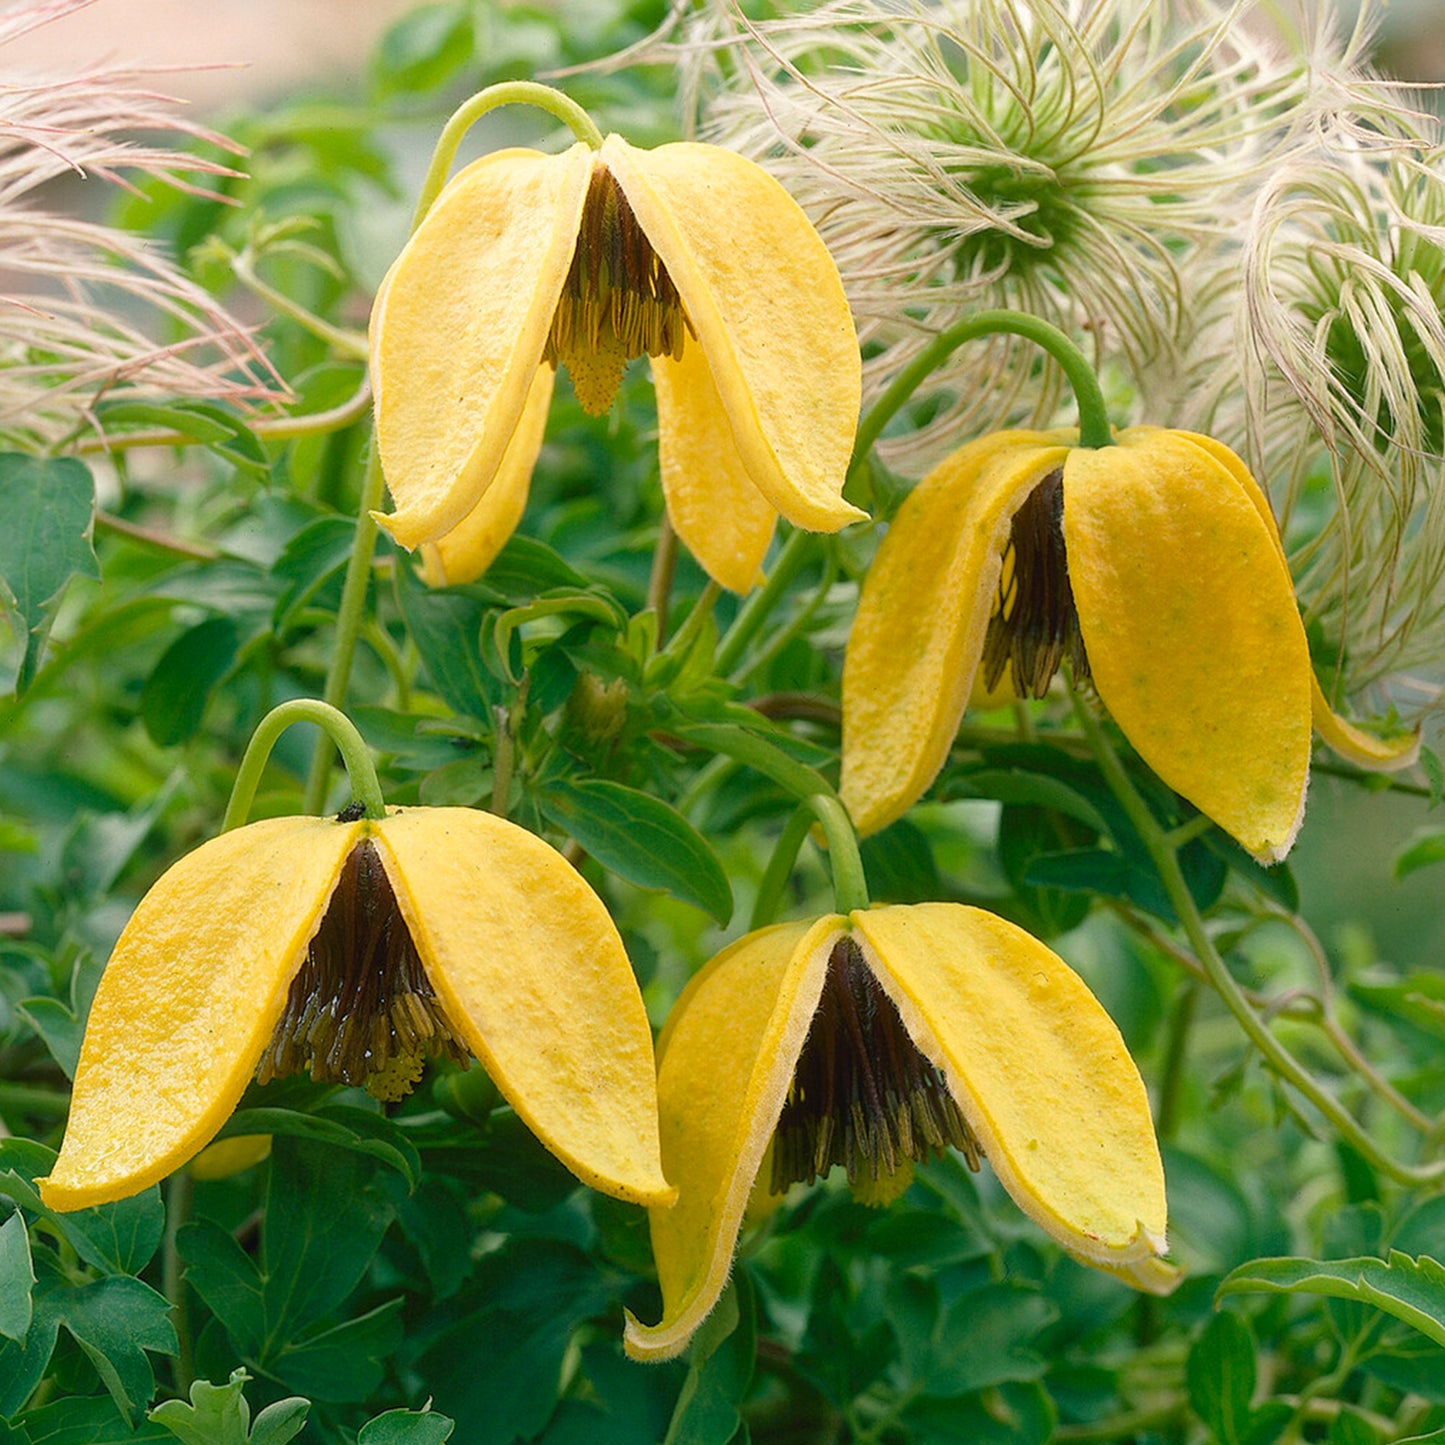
{"points": [[1412, 1290], [899, 865], [1419, 999], [424, 49], [210, 424], [345, 1126], [1421, 852], [406, 1427], [93, 1420], [49, 507], [1221, 1375], [1038, 790], [173, 700], [720, 1370], [1017, 1413], [219, 1415], [1349, 1427], [445, 626], [17, 1278], [346, 1362], [114, 1321], [226, 1278], [642, 839], [987, 1338], [517, 1315], [311, 558]]}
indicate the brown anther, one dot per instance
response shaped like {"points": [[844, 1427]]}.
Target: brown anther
{"points": [[862, 1096], [617, 303], [1035, 621], [361, 1009]]}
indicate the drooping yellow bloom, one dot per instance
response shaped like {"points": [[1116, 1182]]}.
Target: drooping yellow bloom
{"points": [[1156, 563], [880, 1038], [687, 253], [356, 949]]}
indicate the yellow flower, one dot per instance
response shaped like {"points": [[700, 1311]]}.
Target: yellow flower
{"points": [[880, 1038], [356, 949], [1155, 563], [687, 253]]}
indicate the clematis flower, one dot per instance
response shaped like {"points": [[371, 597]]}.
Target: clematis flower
{"points": [[686, 253], [355, 949], [878, 1039], [1155, 564]]}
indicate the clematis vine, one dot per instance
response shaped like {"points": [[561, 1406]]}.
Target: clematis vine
{"points": [[874, 1038], [354, 948], [688, 254]]}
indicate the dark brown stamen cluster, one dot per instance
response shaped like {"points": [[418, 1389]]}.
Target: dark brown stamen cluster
{"points": [[862, 1095], [1035, 621], [618, 301], [361, 1010]]}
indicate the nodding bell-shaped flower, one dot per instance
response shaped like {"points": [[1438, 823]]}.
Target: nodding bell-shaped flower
{"points": [[354, 949], [877, 1039], [1155, 565], [688, 254]]}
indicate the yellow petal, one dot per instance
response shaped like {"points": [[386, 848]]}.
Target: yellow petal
{"points": [[1037, 1068], [768, 309], [534, 978], [716, 511], [459, 329], [918, 634], [230, 1156], [1194, 640], [728, 1057], [189, 1001], [472, 545], [1387, 754]]}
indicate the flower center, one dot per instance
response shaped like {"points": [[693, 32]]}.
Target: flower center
{"points": [[361, 1010], [617, 303], [1036, 620], [862, 1095]]}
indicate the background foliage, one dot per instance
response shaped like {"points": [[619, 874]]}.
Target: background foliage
{"points": [[404, 1276]]}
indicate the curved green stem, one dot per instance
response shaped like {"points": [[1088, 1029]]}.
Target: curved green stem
{"points": [[850, 887], [348, 620], [508, 92], [1094, 429], [755, 610], [695, 621], [336, 728], [780, 868], [1276, 1056]]}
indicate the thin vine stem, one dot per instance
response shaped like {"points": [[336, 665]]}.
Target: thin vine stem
{"points": [[336, 729], [850, 886], [754, 612], [1094, 428], [1272, 1051], [349, 617], [768, 903]]}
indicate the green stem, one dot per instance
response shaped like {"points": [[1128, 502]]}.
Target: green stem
{"points": [[796, 625], [1176, 1052], [503, 755], [780, 868], [754, 612], [173, 1284], [694, 622], [659, 583], [509, 92], [1094, 429], [1275, 1055], [850, 887], [337, 729], [348, 621], [339, 338]]}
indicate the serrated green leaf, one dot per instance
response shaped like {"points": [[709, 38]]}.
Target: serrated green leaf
{"points": [[17, 1278], [642, 839], [174, 697], [1221, 1376], [406, 1427], [49, 507], [91, 1420], [1422, 850], [344, 1363], [219, 1415], [1410, 1289]]}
